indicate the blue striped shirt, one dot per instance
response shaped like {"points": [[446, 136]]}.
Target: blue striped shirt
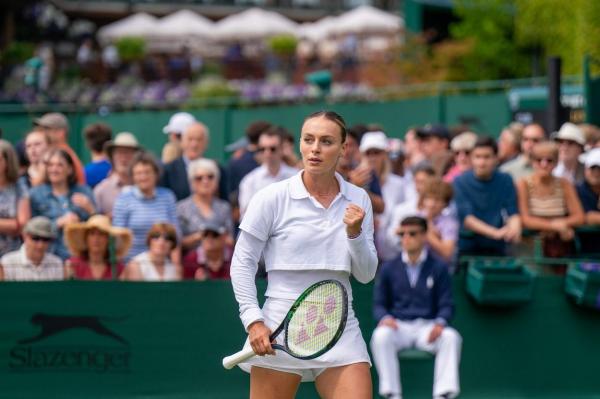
{"points": [[139, 213]]}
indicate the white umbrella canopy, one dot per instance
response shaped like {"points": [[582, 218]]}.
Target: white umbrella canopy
{"points": [[254, 23], [318, 30], [184, 23], [367, 19], [139, 25]]}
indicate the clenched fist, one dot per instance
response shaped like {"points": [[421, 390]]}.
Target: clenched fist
{"points": [[353, 219]]}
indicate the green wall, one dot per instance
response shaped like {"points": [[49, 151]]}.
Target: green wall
{"points": [[228, 124], [173, 336]]}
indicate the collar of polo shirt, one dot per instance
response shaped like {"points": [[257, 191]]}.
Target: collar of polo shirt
{"points": [[298, 189]]}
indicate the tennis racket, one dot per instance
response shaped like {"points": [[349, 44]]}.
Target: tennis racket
{"points": [[311, 327]]}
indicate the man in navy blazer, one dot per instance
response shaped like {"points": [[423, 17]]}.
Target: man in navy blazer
{"points": [[413, 305], [194, 142]]}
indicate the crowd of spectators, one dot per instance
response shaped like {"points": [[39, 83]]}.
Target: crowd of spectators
{"points": [[128, 215]]}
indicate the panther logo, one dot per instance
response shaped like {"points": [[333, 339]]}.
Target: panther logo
{"points": [[54, 324]]}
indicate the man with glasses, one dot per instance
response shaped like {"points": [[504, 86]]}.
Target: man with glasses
{"points": [[33, 262], [571, 141], [413, 305], [521, 166], [271, 170], [589, 195]]}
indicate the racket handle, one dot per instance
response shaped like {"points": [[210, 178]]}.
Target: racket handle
{"points": [[232, 360]]}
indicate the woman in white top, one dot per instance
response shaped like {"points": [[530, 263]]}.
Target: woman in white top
{"points": [[155, 264], [310, 227]]}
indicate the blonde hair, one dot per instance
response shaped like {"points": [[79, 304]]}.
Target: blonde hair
{"points": [[546, 147]]}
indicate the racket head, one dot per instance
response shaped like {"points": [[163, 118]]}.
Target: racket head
{"points": [[316, 320]]}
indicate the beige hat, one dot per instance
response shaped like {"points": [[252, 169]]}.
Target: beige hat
{"points": [[570, 131], [52, 120], [123, 139], [463, 142], [75, 236]]}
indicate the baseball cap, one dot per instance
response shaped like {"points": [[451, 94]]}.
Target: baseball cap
{"points": [[40, 226], [213, 226], [52, 120], [240, 143], [373, 141], [433, 130], [591, 158], [179, 122], [570, 131]]}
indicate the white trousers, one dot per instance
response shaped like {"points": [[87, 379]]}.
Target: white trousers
{"points": [[387, 342]]}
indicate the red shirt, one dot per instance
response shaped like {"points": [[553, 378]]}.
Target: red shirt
{"points": [[195, 260], [82, 270]]}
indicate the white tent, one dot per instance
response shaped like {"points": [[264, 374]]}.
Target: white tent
{"points": [[367, 19], [138, 25], [254, 23], [183, 24], [319, 30]]}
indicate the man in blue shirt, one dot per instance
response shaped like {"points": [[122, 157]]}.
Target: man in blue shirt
{"points": [[589, 194], [486, 201], [413, 305]]}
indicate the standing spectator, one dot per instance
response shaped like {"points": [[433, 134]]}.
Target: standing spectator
{"points": [[487, 204], [549, 203], [202, 206], [93, 259], [509, 143], [212, 260], [33, 262], [56, 126], [154, 264], [13, 209], [37, 144], [413, 305], [240, 167], [434, 141], [412, 149], [571, 141], [373, 147], [60, 198], [141, 206], [174, 129], [272, 170], [194, 142], [120, 153], [96, 136], [521, 166], [589, 195], [461, 146]]}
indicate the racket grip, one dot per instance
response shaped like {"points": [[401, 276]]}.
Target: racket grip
{"points": [[232, 360]]}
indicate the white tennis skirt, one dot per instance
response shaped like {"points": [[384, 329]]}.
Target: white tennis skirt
{"points": [[350, 348]]}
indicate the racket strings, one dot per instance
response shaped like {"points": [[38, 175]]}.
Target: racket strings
{"points": [[316, 321]]}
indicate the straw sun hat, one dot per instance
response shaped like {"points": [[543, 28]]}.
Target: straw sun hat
{"points": [[75, 235]]}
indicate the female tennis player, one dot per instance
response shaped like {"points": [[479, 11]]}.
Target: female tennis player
{"points": [[310, 227]]}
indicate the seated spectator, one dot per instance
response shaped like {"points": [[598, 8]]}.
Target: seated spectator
{"points": [[509, 142], [486, 201], [461, 146], [120, 153], [212, 260], [203, 206], [154, 263], [271, 170], [37, 145], [144, 204], [33, 262], [433, 142], [413, 305], [174, 129], [93, 257], [521, 165], [56, 127], [549, 203], [412, 149], [589, 195], [96, 135], [442, 225], [373, 148], [14, 211], [571, 140], [60, 198]]}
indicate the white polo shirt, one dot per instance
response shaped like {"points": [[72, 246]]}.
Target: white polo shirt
{"points": [[258, 179], [296, 234]]}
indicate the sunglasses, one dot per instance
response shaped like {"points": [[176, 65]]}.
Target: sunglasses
{"points": [[409, 233], [373, 152], [40, 238], [269, 149], [211, 234], [166, 237], [202, 177], [535, 140], [547, 160], [594, 167]]}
